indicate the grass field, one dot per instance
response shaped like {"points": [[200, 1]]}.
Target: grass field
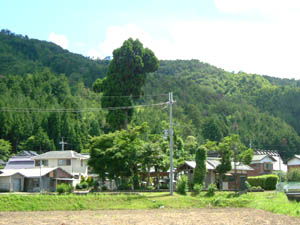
{"points": [[270, 201]]}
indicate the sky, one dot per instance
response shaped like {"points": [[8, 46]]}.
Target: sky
{"points": [[254, 36]]}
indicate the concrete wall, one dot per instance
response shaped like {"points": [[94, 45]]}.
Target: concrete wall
{"points": [[6, 183]]}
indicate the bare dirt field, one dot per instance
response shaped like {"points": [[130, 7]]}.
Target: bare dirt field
{"points": [[159, 216]]}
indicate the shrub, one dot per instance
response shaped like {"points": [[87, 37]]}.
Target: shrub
{"points": [[270, 182], [104, 188], [248, 186], [211, 190], [182, 186], [294, 175], [78, 186], [282, 174], [64, 188], [82, 179], [197, 189], [95, 185], [84, 185], [267, 182], [90, 181]]}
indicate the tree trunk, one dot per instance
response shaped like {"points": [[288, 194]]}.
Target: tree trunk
{"points": [[148, 179]]}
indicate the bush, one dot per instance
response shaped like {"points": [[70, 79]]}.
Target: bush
{"points": [[294, 175], [182, 186], [104, 188], [267, 182], [282, 174], [64, 188], [211, 190], [82, 179], [197, 189], [84, 185], [90, 181], [78, 186], [248, 186]]}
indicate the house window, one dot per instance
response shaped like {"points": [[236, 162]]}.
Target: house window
{"points": [[267, 166], [64, 162], [38, 162], [81, 162], [45, 162]]}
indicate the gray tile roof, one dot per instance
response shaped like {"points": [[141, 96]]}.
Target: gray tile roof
{"points": [[61, 155], [212, 163], [29, 173], [257, 158], [19, 162]]}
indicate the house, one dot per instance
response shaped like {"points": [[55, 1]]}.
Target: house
{"points": [[211, 174], [29, 180], [72, 162], [22, 160], [266, 162], [293, 162]]}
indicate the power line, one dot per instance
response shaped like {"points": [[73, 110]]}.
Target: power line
{"points": [[130, 96], [6, 109]]}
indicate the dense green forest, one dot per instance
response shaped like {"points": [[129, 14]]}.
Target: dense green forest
{"points": [[37, 78]]}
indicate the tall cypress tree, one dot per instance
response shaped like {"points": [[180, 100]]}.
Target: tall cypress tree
{"points": [[126, 76], [200, 170]]}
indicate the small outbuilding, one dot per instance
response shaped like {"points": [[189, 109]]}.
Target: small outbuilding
{"points": [[33, 180]]}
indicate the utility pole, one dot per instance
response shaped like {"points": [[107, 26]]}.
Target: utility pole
{"points": [[41, 176], [62, 144], [171, 144]]}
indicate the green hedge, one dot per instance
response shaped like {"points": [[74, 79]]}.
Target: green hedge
{"points": [[267, 182]]}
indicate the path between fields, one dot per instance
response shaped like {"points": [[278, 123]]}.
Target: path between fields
{"points": [[227, 216]]}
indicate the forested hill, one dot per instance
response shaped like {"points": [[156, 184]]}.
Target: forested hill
{"points": [[20, 55], [210, 103]]}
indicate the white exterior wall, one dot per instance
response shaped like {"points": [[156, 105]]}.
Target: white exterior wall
{"points": [[293, 162], [75, 168], [78, 169]]}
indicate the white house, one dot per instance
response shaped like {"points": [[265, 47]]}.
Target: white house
{"points": [[72, 162]]}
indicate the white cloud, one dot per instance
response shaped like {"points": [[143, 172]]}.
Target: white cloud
{"points": [[116, 35], [59, 39], [263, 6], [94, 54], [262, 48], [271, 49]]}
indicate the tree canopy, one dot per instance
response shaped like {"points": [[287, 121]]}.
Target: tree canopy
{"points": [[126, 76]]}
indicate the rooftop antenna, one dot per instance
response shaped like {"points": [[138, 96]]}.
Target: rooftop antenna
{"points": [[62, 144]]}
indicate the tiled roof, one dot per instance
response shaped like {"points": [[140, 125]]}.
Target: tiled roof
{"points": [[257, 158], [29, 173], [212, 163], [61, 155]]}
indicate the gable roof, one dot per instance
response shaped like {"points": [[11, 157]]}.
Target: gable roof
{"points": [[61, 155], [29, 173], [212, 163], [258, 158]]}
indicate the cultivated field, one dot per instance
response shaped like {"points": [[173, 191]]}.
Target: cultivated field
{"points": [[226, 216]]}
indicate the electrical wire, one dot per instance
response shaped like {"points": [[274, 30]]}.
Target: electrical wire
{"points": [[6, 109]]}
